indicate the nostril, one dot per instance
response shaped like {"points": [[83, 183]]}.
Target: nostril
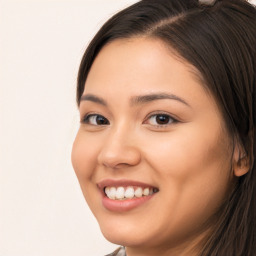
{"points": [[120, 166]]}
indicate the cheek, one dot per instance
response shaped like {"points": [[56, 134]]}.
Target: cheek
{"points": [[194, 168], [189, 152], [84, 156], [84, 161]]}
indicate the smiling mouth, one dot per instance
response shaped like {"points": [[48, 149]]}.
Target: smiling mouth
{"points": [[128, 192], [125, 195]]}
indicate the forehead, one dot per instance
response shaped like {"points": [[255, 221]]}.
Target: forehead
{"points": [[141, 65]]}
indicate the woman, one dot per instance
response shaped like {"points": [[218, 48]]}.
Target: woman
{"points": [[165, 151]]}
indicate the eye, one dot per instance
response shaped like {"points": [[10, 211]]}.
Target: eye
{"points": [[94, 119], [160, 120]]}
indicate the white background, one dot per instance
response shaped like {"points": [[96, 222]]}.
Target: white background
{"points": [[42, 210]]}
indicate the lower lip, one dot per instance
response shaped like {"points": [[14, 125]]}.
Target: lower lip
{"points": [[124, 205]]}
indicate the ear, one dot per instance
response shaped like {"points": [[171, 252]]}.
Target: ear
{"points": [[241, 163]]}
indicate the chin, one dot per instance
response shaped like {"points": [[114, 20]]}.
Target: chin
{"points": [[129, 240], [126, 235]]}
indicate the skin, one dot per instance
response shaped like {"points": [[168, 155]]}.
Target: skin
{"points": [[189, 160]]}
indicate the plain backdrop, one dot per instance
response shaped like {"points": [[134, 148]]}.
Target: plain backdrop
{"points": [[42, 210]]}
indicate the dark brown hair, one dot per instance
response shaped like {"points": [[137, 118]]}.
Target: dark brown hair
{"points": [[219, 40]]}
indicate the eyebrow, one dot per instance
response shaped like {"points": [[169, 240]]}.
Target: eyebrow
{"points": [[156, 96], [93, 98], [136, 100]]}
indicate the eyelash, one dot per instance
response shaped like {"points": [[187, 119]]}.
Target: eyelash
{"points": [[86, 119], [171, 120]]}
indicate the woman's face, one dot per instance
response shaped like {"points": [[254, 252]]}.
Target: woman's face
{"points": [[154, 140]]}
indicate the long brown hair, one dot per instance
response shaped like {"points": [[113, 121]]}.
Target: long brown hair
{"points": [[219, 39]]}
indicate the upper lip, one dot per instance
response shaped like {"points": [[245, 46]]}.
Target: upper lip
{"points": [[122, 183]]}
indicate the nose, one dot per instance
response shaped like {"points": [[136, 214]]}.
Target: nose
{"points": [[119, 150]]}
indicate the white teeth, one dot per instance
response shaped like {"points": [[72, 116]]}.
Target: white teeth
{"points": [[146, 191], [129, 192], [107, 190], [112, 193], [138, 192], [122, 193]]}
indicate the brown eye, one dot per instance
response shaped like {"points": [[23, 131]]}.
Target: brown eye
{"points": [[160, 119], [96, 120]]}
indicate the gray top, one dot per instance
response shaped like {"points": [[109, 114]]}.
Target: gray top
{"points": [[118, 252]]}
